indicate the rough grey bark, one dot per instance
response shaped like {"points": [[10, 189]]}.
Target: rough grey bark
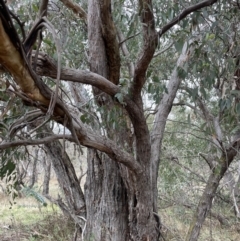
{"points": [[123, 206], [105, 193], [106, 200]]}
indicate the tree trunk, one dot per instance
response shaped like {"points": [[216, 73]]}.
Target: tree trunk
{"points": [[67, 180], [106, 200], [105, 193], [47, 175], [237, 185], [119, 204], [209, 193], [34, 169]]}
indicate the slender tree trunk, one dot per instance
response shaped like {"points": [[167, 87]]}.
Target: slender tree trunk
{"points": [[34, 169], [237, 185], [47, 175], [163, 110], [205, 203], [68, 181]]}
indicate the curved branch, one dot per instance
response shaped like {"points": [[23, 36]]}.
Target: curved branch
{"points": [[150, 41], [184, 14], [87, 137], [46, 67]]}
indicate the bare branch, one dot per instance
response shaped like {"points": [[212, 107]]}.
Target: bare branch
{"points": [[184, 14], [206, 113], [207, 159], [47, 67], [175, 160], [23, 121], [30, 142], [194, 108], [122, 40]]}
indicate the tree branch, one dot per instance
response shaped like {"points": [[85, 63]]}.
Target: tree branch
{"points": [[207, 159], [46, 67], [76, 8], [30, 142], [150, 42], [125, 52], [43, 8], [163, 50], [13, 58], [109, 35], [184, 14]]}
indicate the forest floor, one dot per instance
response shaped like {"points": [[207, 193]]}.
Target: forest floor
{"points": [[176, 223], [29, 220]]}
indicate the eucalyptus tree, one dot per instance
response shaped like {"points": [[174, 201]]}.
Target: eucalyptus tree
{"points": [[121, 49], [212, 94]]}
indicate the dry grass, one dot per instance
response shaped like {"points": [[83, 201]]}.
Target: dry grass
{"points": [[176, 226], [27, 220]]}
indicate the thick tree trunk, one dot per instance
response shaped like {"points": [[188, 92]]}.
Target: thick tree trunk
{"points": [[119, 204], [106, 200], [105, 193]]}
